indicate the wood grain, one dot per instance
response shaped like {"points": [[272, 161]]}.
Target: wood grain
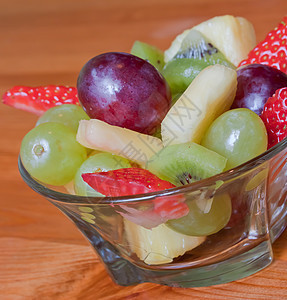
{"points": [[42, 255], [35, 269]]}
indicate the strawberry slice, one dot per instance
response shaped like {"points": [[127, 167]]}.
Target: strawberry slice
{"points": [[124, 182], [274, 116], [133, 181], [272, 50], [39, 99]]}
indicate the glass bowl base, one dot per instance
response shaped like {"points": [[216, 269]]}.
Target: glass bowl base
{"points": [[125, 273], [229, 270]]}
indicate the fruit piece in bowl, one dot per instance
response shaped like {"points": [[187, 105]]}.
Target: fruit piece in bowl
{"points": [[124, 90], [256, 83], [274, 116], [51, 154], [134, 181], [230, 135], [185, 163], [233, 36], [97, 162], [99, 135], [150, 53], [67, 114], [272, 50], [159, 245]]}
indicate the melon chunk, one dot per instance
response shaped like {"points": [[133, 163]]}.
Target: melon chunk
{"points": [[99, 135], [209, 95]]}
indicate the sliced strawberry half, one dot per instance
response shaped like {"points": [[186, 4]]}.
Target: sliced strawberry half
{"points": [[272, 50], [133, 181], [39, 99], [274, 116]]}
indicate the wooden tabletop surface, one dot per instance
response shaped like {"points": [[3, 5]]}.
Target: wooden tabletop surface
{"points": [[42, 255]]}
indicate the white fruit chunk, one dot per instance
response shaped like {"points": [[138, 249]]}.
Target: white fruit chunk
{"points": [[233, 36], [209, 95], [99, 135], [159, 245]]}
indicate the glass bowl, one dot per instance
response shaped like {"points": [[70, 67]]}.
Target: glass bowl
{"points": [[115, 227]]}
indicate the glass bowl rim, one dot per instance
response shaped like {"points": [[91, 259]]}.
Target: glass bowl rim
{"points": [[191, 187]]}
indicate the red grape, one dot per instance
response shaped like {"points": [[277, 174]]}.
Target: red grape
{"points": [[256, 83], [124, 90]]}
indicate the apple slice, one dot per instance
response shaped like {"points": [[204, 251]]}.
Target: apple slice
{"points": [[99, 135], [209, 95], [233, 36]]}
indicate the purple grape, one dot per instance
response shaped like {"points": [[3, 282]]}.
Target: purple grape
{"points": [[256, 83], [124, 90]]}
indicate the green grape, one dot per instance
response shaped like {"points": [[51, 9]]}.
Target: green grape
{"points": [[51, 154], [100, 162], [205, 217], [238, 134], [150, 53], [68, 114]]}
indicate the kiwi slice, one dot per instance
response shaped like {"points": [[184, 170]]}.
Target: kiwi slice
{"points": [[149, 53], [179, 73], [195, 45], [196, 52], [185, 163]]}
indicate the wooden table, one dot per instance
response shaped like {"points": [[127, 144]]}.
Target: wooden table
{"points": [[42, 255]]}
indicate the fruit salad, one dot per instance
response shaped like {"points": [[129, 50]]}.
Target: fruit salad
{"points": [[152, 120]]}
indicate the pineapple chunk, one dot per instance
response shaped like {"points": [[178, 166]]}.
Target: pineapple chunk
{"points": [[99, 135], [209, 95], [233, 36], [159, 245]]}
